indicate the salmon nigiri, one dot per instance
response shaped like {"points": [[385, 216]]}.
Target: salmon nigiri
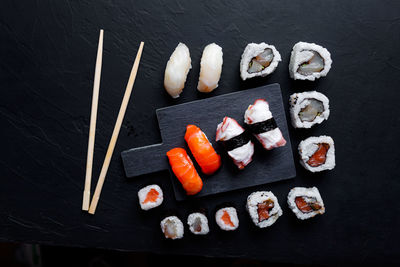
{"points": [[202, 150], [184, 170]]}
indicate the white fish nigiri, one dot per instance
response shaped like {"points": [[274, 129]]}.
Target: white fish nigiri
{"points": [[178, 67], [210, 68]]}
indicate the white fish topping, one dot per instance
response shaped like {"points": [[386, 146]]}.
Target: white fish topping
{"points": [[210, 68], [176, 71]]}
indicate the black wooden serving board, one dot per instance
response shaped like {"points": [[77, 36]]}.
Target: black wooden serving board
{"points": [[266, 167]]}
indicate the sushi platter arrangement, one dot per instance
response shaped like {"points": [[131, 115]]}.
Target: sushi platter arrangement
{"points": [[231, 141]]}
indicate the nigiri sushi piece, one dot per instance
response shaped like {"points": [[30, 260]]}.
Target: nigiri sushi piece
{"points": [[262, 125], [184, 170], [178, 67], [210, 68], [202, 150], [236, 141], [150, 197]]}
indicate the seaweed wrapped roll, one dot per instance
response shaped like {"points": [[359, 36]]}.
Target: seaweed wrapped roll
{"points": [[258, 60], [305, 202], [263, 208], [308, 109], [317, 153], [309, 61]]}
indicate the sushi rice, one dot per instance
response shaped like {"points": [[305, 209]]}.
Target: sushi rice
{"points": [[227, 219], [303, 53], [311, 193], [254, 200], [172, 227], [302, 101], [309, 146], [253, 50], [198, 223], [150, 197]]}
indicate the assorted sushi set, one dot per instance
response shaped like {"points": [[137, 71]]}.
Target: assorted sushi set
{"points": [[308, 61]]}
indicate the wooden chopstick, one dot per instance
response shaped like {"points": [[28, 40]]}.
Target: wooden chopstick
{"points": [[93, 117], [115, 133]]}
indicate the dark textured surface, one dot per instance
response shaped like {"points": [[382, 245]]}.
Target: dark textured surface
{"points": [[48, 50], [266, 167]]}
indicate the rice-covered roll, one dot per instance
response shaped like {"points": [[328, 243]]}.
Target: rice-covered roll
{"points": [[150, 197], [176, 71], [317, 153], [309, 61], [261, 123], [172, 227], [198, 223], [308, 109], [263, 208], [210, 68], [236, 141], [258, 60], [227, 219], [305, 202]]}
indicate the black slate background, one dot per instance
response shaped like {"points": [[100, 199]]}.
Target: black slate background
{"points": [[47, 56]]}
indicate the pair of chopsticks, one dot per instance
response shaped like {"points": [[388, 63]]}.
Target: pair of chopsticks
{"points": [[89, 164]]}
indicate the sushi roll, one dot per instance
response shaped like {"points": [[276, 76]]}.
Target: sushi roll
{"points": [[305, 202], [262, 125], [317, 153], [259, 60], [308, 109], [183, 168], [198, 223], [309, 61], [236, 141], [210, 68], [150, 197], [172, 227], [202, 150], [263, 208], [176, 71], [227, 219]]}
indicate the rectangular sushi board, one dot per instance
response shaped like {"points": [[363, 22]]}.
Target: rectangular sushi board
{"points": [[266, 167]]}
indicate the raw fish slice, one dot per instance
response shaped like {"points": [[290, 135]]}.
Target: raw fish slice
{"points": [[176, 71], [210, 68]]}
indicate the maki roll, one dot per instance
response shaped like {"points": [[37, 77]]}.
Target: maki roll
{"points": [[198, 223], [210, 68], [263, 208], [258, 60], [184, 170], [202, 150], [176, 71], [309, 61], [227, 219], [236, 141], [150, 197], [317, 153], [261, 123], [308, 109], [172, 227], [305, 202]]}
